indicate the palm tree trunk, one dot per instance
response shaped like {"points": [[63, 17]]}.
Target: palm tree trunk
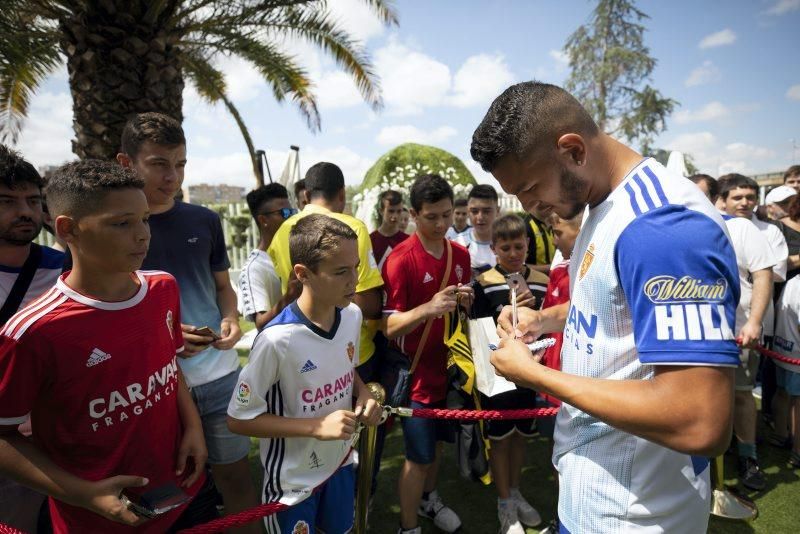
{"points": [[122, 60]]}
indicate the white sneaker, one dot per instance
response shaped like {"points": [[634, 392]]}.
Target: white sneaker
{"points": [[443, 517], [527, 514], [417, 530], [509, 522]]}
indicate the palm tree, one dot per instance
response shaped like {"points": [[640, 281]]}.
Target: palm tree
{"points": [[130, 56]]}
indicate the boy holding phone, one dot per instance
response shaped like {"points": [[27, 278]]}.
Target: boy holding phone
{"points": [[93, 361], [296, 393], [493, 291]]}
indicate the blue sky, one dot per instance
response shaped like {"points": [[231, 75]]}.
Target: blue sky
{"points": [[732, 65]]}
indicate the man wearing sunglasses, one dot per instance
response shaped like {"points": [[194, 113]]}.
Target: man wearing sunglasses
{"points": [[260, 296]]}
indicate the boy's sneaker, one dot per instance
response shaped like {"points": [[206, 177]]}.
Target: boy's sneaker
{"points": [[443, 517], [417, 530], [527, 514], [509, 522], [750, 474]]}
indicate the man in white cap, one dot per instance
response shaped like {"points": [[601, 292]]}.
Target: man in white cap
{"points": [[778, 200]]}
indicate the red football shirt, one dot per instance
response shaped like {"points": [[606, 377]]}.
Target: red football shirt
{"points": [[557, 293], [99, 380], [382, 246], [412, 277]]}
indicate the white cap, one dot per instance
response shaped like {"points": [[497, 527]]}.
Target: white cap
{"points": [[780, 193]]}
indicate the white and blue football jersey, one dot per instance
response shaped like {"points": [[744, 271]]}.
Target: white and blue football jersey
{"points": [[298, 370], [653, 282]]}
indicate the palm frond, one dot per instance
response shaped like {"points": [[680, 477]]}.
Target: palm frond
{"points": [[27, 55]]}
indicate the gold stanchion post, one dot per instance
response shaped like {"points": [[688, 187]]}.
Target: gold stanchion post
{"points": [[727, 504], [366, 464]]}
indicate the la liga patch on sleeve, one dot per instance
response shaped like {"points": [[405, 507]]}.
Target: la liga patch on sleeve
{"points": [[243, 394]]}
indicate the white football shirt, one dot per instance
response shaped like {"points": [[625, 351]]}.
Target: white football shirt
{"points": [[259, 285], [787, 327], [298, 370], [653, 281], [481, 256]]}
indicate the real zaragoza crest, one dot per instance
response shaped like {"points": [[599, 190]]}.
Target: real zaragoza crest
{"points": [[588, 258]]}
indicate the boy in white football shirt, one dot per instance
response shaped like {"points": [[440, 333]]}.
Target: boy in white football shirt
{"points": [[296, 393]]}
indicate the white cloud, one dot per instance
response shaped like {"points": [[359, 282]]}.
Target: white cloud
{"points": [[357, 19], [712, 157], [710, 112], [794, 92], [242, 80], [783, 6], [336, 90], [720, 38], [479, 80], [395, 135], [47, 132], [234, 168], [561, 57], [704, 74], [410, 79]]}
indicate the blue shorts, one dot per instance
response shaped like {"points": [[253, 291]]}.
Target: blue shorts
{"points": [[224, 447], [788, 381], [330, 509], [420, 435]]}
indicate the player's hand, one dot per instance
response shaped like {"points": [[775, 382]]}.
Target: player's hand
{"points": [[103, 498], [192, 454], [193, 343], [443, 302], [513, 360], [467, 294], [750, 334], [293, 289], [368, 411], [529, 325], [230, 333], [524, 297], [341, 424]]}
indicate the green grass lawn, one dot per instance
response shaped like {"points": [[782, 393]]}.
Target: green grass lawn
{"points": [[779, 503]]}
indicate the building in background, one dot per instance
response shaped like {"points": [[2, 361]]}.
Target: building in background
{"points": [[213, 194]]}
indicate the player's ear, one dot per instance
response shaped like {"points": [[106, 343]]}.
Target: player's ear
{"points": [[301, 272]]}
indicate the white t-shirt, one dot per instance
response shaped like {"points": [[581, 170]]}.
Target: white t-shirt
{"points": [[452, 233], [481, 257], [780, 251], [47, 273], [787, 326], [653, 282], [259, 285], [298, 370], [753, 254]]}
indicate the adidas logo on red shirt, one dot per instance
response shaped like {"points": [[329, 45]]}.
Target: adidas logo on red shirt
{"points": [[96, 357], [428, 278]]}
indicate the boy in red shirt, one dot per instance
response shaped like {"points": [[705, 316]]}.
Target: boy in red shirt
{"points": [[93, 361], [388, 235], [413, 275]]}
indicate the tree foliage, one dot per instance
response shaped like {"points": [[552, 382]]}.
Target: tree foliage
{"points": [[611, 67], [131, 56]]}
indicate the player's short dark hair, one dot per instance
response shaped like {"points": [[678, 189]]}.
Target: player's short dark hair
{"points": [[16, 171], [258, 197], [78, 189], [315, 237], [390, 196], [429, 189], [484, 192], [508, 227], [711, 184], [460, 202], [324, 180], [155, 127], [729, 182], [299, 187], [794, 170], [527, 116]]}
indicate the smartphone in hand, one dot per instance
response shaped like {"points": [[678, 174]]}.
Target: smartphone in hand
{"points": [[155, 502], [206, 331]]}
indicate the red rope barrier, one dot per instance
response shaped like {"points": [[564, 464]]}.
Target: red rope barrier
{"points": [[237, 520], [776, 355], [6, 529], [476, 415]]}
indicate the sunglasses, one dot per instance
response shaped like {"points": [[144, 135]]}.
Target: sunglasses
{"points": [[285, 212]]}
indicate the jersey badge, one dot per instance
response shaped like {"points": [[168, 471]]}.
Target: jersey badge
{"points": [[351, 351], [243, 394], [169, 324], [301, 527], [459, 272], [308, 366], [96, 357], [588, 258]]}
